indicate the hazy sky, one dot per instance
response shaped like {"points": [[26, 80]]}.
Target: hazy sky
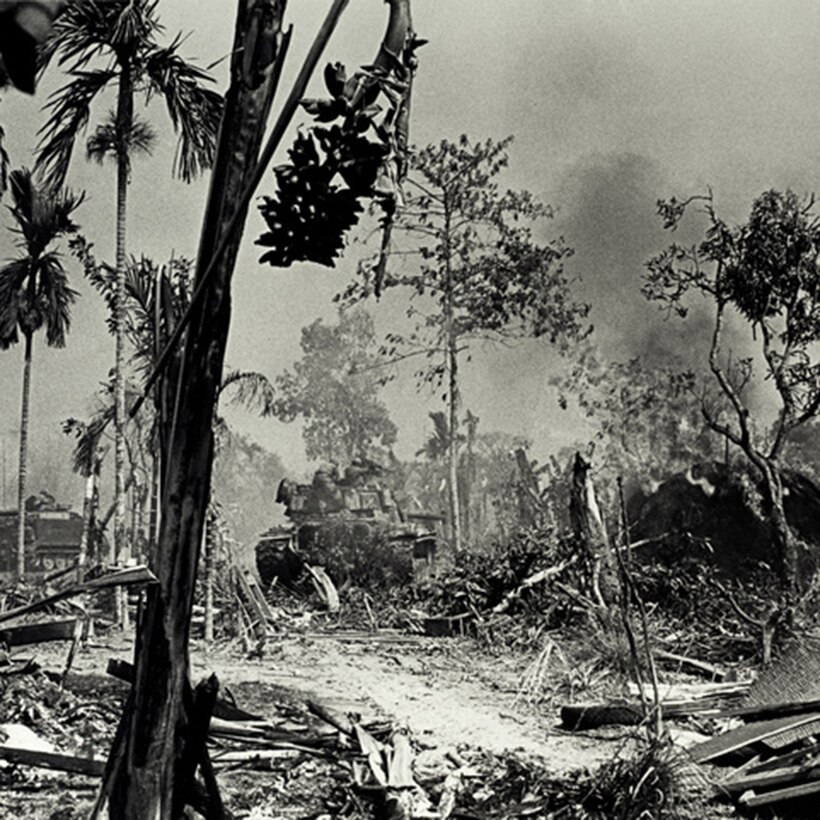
{"points": [[613, 104]]}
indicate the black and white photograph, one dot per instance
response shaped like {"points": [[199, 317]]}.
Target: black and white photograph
{"points": [[409, 409]]}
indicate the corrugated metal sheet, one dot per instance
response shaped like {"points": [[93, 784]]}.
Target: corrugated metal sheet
{"points": [[793, 677]]}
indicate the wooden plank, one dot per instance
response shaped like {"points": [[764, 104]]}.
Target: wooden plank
{"points": [[251, 756], [780, 761], [53, 760], [62, 629], [751, 800], [792, 737], [772, 777], [743, 736], [683, 692], [770, 710]]}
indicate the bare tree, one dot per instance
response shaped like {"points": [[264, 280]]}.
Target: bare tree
{"points": [[764, 270]]}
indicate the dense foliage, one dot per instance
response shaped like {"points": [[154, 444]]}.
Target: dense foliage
{"points": [[334, 389]]}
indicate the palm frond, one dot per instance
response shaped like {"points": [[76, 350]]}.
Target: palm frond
{"points": [[251, 389], [136, 24], [4, 163], [88, 438], [195, 110], [12, 278], [82, 30], [23, 195], [54, 298], [102, 144], [70, 108], [42, 211], [87, 28]]}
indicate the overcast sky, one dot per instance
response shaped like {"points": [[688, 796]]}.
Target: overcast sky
{"points": [[613, 103]]}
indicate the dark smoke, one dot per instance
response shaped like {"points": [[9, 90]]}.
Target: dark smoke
{"points": [[609, 216]]}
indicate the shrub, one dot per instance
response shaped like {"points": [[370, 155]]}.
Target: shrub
{"points": [[358, 553]]}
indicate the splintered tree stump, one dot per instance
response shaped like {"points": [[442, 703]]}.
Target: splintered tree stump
{"points": [[150, 776], [591, 536]]}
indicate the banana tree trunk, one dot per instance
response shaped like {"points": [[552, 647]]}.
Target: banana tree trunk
{"points": [[151, 773], [124, 123], [20, 562]]}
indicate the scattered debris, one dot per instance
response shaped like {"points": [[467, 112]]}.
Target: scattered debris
{"points": [[324, 587], [119, 577]]}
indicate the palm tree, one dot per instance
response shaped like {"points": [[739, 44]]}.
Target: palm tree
{"points": [[34, 293], [121, 34]]}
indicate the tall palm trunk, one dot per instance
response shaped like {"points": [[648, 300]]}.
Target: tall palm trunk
{"points": [[452, 444], [452, 391], [125, 116], [20, 564]]}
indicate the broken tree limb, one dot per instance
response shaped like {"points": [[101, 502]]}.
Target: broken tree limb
{"points": [[223, 709], [581, 716], [535, 579], [590, 533], [324, 587], [714, 672], [767, 625], [322, 712]]}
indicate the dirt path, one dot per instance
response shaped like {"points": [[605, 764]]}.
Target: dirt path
{"points": [[445, 692]]}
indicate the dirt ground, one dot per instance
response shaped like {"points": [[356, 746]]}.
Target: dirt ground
{"points": [[444, 690], [448, 693]]}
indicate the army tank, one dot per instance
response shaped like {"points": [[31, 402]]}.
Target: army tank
{"points": [[353, 512]]}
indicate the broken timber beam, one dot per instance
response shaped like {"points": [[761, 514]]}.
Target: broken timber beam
{"points": [[53, 760], [737, 739], [64, 629], [787, 775], [752, 800], [770, 710]]}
